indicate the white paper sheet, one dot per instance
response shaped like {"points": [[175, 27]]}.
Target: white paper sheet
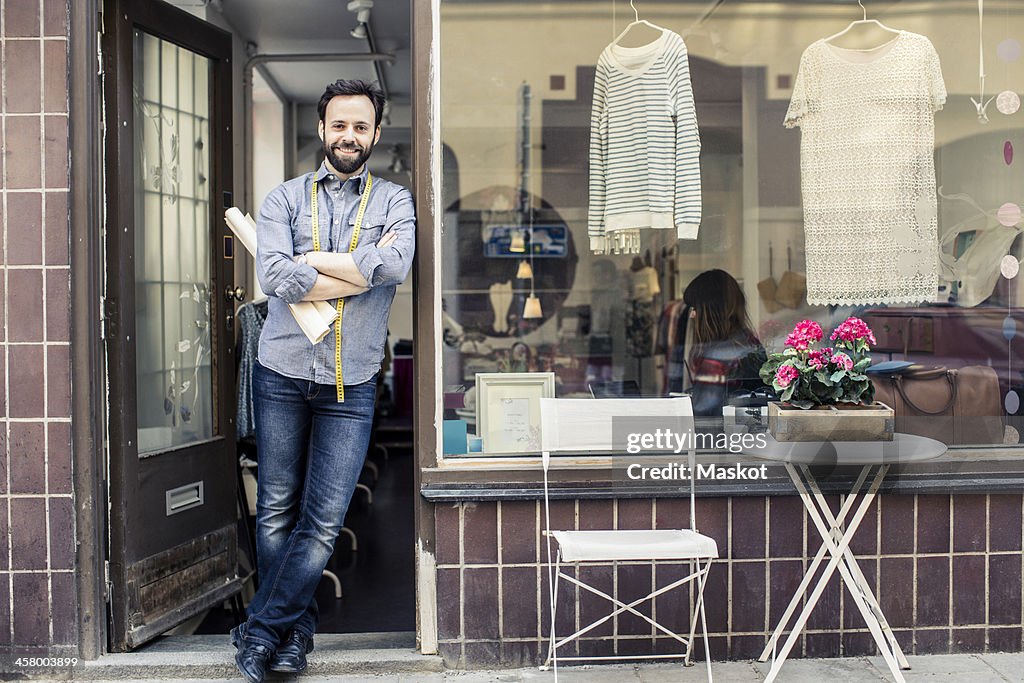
{"points": [[314, 318]]}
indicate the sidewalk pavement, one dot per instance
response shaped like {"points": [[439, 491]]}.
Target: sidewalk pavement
{"points": [[980, 668]]}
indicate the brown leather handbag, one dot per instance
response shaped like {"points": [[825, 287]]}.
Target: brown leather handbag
{"points": [[959, 406]]}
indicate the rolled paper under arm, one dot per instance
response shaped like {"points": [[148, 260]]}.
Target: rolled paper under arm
{"points": [[314, 318], [310, 320], [244, 229], [326, 311]]}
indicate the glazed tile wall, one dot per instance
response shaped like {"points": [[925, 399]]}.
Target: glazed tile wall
{"points": [[946, 569], [37, 536]]}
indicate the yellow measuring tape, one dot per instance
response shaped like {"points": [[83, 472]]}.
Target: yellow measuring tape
{"points": [[338, 380]]}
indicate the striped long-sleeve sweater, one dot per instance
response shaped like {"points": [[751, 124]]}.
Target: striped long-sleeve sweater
{"points": [[644, 146]]}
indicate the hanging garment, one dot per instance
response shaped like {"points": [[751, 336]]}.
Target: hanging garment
{"points": [[643, 284], [640, 321], [644, 146], [250, 317], [867, 170], [671, 333]]}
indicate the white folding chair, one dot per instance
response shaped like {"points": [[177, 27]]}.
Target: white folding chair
{"points": [[584, 426]]}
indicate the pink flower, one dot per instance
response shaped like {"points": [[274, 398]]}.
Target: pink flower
{"points": [[805, 333], [843, 361], [785, 375], [853, 329], [819, 359]]}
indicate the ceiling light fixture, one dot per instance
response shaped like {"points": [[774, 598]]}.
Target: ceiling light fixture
{"points": [[361, 8], [532, 310], [518, 243]]}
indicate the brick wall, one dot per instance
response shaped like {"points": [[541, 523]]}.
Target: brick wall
{"points": [[946, 570], [37, 538]]}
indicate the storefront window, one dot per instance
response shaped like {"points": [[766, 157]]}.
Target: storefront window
{"points": [[652, 211]]}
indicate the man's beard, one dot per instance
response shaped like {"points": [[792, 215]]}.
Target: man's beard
{"points": [[347, 164]]}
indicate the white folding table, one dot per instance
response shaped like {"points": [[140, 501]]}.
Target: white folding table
{"points": [[837, 530]]}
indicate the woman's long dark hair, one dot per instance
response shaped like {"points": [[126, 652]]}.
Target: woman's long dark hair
{"points": [[721, 309]]}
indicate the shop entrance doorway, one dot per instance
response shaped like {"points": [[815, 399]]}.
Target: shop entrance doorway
{"points": [[192, 92], [291, 52], [169, 340]]}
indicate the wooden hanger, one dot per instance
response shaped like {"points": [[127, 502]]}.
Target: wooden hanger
{"points": [[862, 22], [638, 22]]}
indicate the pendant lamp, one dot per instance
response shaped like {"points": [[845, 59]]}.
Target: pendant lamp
{"points": [[532, 308], [518, 243]]}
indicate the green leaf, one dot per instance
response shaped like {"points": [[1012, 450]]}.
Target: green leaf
{"points": [[862, 392], [823, 395], [862, 364], [787, 394], [838, 375]]}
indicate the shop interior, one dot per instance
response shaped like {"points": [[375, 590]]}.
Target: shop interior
{"points": [[518, 179]]}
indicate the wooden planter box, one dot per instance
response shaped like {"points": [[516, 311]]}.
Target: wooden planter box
{"points": [[831, 423]]}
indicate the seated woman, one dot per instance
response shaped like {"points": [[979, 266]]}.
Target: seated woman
{"points": [[725, 355]]}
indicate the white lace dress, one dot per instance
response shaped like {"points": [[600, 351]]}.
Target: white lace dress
{"points": [[867, 170]]}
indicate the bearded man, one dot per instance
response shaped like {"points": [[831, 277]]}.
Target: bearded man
{"points": [[340, 235]]}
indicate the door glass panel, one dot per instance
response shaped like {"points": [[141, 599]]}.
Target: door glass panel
{"points": [[174, 381]]}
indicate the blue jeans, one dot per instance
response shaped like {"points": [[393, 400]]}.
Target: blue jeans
{"points": [[311, 451]]}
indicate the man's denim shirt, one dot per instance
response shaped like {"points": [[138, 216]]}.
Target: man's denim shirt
{"points": [[284, 230]]}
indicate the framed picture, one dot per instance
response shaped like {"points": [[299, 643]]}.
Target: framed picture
{"points": [[508, 409]]}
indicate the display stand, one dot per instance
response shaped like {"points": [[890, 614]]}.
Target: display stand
{"points": [[838, 530]]}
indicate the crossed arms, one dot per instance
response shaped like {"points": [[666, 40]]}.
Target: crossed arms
{"points": [[338, 276], [323, 275]]}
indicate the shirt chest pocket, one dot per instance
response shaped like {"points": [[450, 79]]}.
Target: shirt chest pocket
{"points": [[302, 235], [372, 228]]}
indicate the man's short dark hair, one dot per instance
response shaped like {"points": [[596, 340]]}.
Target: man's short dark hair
{"points": [[349, 88]]}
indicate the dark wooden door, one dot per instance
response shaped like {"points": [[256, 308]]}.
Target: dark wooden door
{"points": [[167, 94]]}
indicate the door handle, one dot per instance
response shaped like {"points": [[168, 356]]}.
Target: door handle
{"points": [[234, 293]]}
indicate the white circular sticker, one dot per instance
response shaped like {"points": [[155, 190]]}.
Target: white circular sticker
{"points": [[1009, 267], [1008, 102], [1008, 50], [1008, 214], [1012, 402]]}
